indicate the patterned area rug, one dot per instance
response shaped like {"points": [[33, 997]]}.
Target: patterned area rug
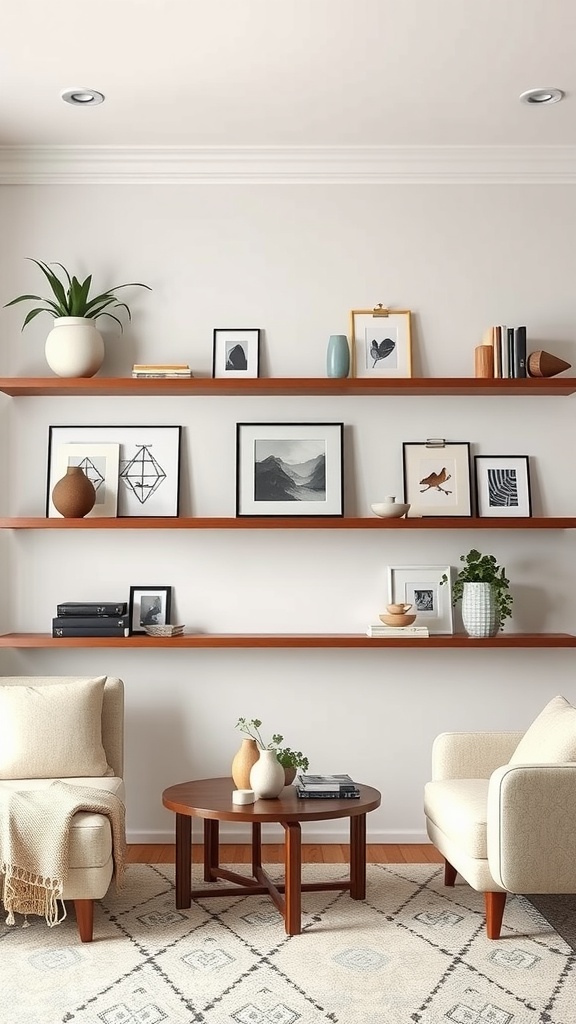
{"points": [[412, 952]]}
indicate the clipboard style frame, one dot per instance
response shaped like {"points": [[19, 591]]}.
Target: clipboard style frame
{"points": [[372, 333]]}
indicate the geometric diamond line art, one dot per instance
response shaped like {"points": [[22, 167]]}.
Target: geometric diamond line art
{"points": [[143, 474], [94, 475]]}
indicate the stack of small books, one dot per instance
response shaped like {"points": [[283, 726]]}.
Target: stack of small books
{"points": [[335, 787], [161, 370], [102, 618], [378, 629]]}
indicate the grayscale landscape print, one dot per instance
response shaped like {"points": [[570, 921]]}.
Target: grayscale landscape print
{"points": [[290, 470]]}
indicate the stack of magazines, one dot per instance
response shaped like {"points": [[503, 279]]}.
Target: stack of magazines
{"points": [[161, 370], [335, 787]]}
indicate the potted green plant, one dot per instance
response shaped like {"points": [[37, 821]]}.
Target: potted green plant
{"points": [[289, 759], [483, 587], [74, 347]]}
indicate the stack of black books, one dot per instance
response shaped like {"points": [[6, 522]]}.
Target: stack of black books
{"points": [[322, 787], [98, 618]]}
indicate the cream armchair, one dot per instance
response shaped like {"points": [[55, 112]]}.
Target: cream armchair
{"points": [[501, 809], [68, 728]]}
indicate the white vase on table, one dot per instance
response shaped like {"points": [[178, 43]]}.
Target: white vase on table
{"points": [[267, 776]]}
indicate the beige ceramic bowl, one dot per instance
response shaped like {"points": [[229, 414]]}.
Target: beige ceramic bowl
{"points": [[398, 620], [389, 509]]}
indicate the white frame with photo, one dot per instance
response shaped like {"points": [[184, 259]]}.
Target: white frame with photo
{"points": [[137, 594], [372, 333], [145, 452], [492, 487], [255, 442], [418, 585], [100, 463], [225, 340], [437, 478]]}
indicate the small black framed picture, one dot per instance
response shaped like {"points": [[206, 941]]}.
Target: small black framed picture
{"points": [[149, 606], [236, 352], [437, 477], [503, 485]]}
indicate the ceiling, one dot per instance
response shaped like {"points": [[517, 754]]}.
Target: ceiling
{"points": [[287, 73]]}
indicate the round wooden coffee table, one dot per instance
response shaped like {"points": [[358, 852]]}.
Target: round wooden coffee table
{"points": [[211, 799]]}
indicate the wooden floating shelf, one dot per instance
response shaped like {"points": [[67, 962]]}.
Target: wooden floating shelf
{"points": [[107, 386], [291, 523], [292, 640]]}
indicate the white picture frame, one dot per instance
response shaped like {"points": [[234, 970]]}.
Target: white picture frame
{"points": [[149, 466], [100, 462], [236, 352], [437, 477], [420, 586], [381, 342]]}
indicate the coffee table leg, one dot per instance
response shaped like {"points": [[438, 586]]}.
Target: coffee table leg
{"points": [[358, 857], [211, 847], [293, 878], [183, 875], [256, 846]]}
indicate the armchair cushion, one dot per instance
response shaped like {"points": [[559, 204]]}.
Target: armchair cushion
{"points": [[55, 734], [551, 739], [458, 807]]}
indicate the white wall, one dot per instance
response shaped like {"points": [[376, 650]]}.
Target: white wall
{"points": [[294, 260]]}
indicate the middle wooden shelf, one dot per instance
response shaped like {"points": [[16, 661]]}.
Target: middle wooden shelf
{"points": [[290, 523]]}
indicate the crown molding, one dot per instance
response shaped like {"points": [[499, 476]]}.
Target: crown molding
{"points": [[351, 165]]}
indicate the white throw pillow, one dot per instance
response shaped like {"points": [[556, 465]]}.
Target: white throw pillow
{"points": [[52, 731], [551, 739]]}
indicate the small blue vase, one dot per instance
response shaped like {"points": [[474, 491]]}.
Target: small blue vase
{"points": [[338, 356]]}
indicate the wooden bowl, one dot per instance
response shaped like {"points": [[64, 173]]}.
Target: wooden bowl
{"points": [[397, 620]]}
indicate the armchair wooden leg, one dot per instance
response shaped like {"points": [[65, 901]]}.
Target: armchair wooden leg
{"points": [[494, 903], [449, 873], [85, 918]]}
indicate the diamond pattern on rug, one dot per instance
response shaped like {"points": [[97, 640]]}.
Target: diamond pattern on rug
{"points": [[413, 951]]}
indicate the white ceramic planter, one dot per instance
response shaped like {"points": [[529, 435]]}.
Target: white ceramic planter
{"points": [[74, 347], [267, 776], [479, 611]]}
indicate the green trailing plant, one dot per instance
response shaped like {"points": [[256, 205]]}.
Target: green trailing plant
{"points": [[288, 758], [71, 297], [480, 568]]}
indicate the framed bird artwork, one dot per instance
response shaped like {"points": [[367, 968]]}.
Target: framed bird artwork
{"points": [[437, 477], [381, 342]]}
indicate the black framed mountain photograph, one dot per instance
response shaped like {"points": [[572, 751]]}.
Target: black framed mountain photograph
{"points": [[289, 469]]}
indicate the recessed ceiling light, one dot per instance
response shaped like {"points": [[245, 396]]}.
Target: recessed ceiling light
{"points": [[542, 96], [82, 97]]}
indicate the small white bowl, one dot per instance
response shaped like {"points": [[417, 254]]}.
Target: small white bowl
{"points": [[389, 509]]}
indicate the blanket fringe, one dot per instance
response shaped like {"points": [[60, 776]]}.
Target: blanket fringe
{"points": [[26, 893]]}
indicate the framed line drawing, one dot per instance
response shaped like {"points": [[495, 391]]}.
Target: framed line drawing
{"points": [[419, 585], [289, 469], [100, 463], [380, 342], [149, 606], [149, 464], [437, 477], [503, 485], [236, 352]]}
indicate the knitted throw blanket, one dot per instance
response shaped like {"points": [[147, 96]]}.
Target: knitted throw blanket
{"points": [[35, 842]]}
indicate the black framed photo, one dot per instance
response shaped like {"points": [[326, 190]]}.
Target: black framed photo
{"points": [[147, 467], [289, 469], [236, 352], [149, 606], [503, 485], [437, 477]]}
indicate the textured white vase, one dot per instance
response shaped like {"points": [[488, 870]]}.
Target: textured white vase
{"points": [[267, 776], [479, 611], [74, 347]]}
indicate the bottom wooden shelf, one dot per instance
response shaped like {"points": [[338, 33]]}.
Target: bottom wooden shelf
{"points": [[261, 640]]}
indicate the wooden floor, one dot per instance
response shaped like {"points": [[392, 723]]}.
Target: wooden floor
{"points": [[273, 853]]}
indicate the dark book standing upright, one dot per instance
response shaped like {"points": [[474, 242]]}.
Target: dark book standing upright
{"points": [[511, 352], [520, 352]]}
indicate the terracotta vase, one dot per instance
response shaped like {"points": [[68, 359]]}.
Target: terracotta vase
{"points": [[289, 775], [246, 756], [74, 496]]}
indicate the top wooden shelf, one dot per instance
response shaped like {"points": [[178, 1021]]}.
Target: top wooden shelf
{"points": [[106, 386]]}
